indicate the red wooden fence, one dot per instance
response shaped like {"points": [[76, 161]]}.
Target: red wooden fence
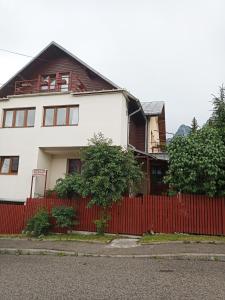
{"points": [[184, 213]]}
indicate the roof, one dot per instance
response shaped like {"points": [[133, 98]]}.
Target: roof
{"points": [[155, 156], [161, 156], [153, 108], [54, 44]]}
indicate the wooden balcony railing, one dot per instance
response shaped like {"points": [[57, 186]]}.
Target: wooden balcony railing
{"points": [[74, 84]]}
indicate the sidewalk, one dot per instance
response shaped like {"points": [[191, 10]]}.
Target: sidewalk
{"points": [[169, 250]]}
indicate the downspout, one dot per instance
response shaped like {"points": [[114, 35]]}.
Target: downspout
{"points": [[146, 134]]}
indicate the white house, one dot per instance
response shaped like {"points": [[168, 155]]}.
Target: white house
{"points": [[50, 109]]}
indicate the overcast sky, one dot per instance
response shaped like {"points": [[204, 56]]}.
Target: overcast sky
{"points": [[170, 50]]}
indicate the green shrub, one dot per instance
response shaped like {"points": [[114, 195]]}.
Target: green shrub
{"points": [[39, 224], [102, 224], [64, 216], [68, 187]]}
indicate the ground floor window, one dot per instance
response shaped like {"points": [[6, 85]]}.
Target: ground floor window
{"points": [[73, 166], [9, 165]]}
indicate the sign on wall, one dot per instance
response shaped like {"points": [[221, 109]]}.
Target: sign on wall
{"points": [[39, 172]]}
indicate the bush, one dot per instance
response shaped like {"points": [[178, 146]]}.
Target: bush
{"points": [[64, 216], [102, 224], [39, 224], [68, 187]]}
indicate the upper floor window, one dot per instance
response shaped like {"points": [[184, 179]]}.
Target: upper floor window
{"points": [[61, 116], [48, 82], [55, 82], [20, 117], [9, 165]]}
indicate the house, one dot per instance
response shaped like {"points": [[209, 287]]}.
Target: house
{"points": [[49, 110]]}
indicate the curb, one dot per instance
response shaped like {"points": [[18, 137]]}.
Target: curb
{"points": [[178, 256]]}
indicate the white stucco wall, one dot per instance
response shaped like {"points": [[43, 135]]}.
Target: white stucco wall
{"points": [[97, 112]]}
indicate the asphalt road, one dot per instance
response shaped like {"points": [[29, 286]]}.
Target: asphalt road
{"points": [[50, 277]]}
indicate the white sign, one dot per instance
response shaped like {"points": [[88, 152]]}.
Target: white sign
{"points": [[39, 172]]}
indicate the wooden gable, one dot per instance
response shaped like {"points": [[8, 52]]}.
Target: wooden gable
{"points": [[55, 59]]}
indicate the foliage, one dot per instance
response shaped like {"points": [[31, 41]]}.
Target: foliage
{"points": [[39, 223], [64, 216], [197, 163], [107, 172], [102, 223], [194, 125], [218, 116], [68, 187]]}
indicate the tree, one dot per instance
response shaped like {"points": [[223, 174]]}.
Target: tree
{"points": [[107, 173], [197, 163], [194, 125], [68, 187], [218, 115]]}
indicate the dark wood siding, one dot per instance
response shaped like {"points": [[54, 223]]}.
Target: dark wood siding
{"points": [[137, 132], [64, 64], [55, 60]]}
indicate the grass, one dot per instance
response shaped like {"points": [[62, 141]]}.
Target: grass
{"points": [[65, 237], [188, 238], [80, 237]]}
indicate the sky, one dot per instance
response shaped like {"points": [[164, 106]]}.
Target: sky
{"points": [[159, 50]]}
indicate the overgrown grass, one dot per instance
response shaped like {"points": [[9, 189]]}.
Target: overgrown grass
{"points": [[148, 238], [64, 237]]}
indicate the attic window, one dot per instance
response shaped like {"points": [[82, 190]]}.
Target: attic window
{"points": [[48, 82], [55, 82]]}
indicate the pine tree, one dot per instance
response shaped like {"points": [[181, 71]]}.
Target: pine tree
{"points": [[218, 115], [194, 125]]}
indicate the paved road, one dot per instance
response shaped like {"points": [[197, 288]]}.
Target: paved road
{"points": [[50, 277]]}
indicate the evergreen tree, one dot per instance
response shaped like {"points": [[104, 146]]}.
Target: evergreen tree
{"points": [[194, 125], [218, 115]]}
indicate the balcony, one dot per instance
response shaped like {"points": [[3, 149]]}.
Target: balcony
{"points": [[60, 82]]}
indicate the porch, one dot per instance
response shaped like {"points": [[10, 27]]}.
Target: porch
{"points": [[57, 161]]}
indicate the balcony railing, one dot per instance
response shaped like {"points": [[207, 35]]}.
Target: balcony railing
{"points": [[73, 84]]}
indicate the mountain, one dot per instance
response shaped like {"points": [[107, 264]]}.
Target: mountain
{"points": [[183, 130]]}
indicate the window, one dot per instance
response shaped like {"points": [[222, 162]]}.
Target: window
{"points": [[55, 82], [21, 117], [49, 116], [73, 166], [64, 82], [48, 82], [61, 116], [9, 165]]}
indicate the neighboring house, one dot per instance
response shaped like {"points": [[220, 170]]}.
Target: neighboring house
{"points": [[155, 113], [50, 109]]}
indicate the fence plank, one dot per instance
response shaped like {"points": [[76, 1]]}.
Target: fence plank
{"points": [[181, 213]]}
